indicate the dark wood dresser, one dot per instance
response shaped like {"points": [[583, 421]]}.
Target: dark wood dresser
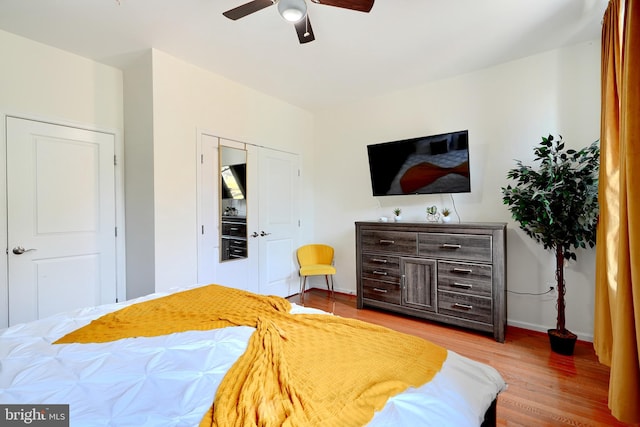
{"points": [[450, 273]]}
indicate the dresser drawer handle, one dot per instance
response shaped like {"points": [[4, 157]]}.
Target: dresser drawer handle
{"points": [[380, 273], [384, 291], [378, 260], [463, 306], [462, 270], [450, 246], [387, 242], [462, 285]]}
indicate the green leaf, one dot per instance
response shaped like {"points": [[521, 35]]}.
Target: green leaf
{"points": [[556, 200]]}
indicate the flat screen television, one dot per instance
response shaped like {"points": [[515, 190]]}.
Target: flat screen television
{"points": [[425, 165]]}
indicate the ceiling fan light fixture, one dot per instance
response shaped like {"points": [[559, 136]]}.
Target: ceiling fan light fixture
{"points": [[292, 10]]}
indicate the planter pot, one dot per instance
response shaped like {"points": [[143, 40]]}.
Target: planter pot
{"points": [[397, 218], [446, 218], [562, 343]]}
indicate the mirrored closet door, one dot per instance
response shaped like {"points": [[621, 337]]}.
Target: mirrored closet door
{"points": [[248, 216]]}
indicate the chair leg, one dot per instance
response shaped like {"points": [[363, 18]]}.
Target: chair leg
{"points": [[333, 297], [303, 282], [330, 288]]}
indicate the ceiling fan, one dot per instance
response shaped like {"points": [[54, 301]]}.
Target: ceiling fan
{"points": [[295, 11]]}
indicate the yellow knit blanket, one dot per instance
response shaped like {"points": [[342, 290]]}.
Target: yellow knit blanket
{"points": [[298, 370]]}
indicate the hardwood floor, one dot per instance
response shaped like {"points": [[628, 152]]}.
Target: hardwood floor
{"points": [[544, 388]]}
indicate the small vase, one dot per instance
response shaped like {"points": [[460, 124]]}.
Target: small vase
{"points": [[397, 218], [446, 218], [433, 217]]}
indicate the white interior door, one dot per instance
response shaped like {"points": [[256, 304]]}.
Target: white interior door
{"points": [[236, 273], [272, 221], [279, 222], [60, 218]]}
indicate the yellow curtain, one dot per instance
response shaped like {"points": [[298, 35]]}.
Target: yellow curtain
{"points": [[617, 307]]}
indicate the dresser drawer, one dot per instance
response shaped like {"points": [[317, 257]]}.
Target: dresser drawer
{"points": [[467, 278], [394, 242], [381, 291], [381, 267], [465, 306], [238, 229], [465, 247]]}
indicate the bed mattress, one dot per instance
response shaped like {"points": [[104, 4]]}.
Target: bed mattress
{"points": [[171, 380]]}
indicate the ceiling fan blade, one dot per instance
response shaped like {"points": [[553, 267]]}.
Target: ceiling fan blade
{"points": [[304, 30], [247, 9], [359, 5]]}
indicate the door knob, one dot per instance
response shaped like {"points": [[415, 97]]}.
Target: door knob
{"points": [[254, 234], [19, 250], [262, 233]]}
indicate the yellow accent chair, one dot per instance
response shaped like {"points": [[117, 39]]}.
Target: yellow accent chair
{"points": [[315, 260]]}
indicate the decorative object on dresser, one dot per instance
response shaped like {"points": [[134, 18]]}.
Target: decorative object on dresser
{"points": [[455, 274], [557, 205], [397, 214], [432, 214], [446, 215]]}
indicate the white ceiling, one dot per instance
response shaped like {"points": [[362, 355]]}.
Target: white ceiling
{"points": [[399, 44]]}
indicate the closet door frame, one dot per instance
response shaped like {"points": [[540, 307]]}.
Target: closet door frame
{"points": [[271, 266]]}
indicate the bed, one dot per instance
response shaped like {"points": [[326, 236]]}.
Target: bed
{"points": [[172, 379]]}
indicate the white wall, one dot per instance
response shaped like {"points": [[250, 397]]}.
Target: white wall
{"points": [[187, 99], [506, 109], [139, 184], [168, 101], [40, 82]]}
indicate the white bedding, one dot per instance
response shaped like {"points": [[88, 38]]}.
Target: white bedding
{"points": [[171, 380]]}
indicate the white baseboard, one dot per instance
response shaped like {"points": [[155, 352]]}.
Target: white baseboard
{"points": [[339, 290], [539, 328]]}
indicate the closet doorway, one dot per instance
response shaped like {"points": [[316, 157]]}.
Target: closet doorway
{"points": [[272, 220]]}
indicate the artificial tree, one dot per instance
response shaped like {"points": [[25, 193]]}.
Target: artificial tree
{"points": [[557, 205]]}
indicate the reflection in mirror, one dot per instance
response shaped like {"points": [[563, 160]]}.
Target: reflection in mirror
{"points": [[233, 181], [233, 203]]}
